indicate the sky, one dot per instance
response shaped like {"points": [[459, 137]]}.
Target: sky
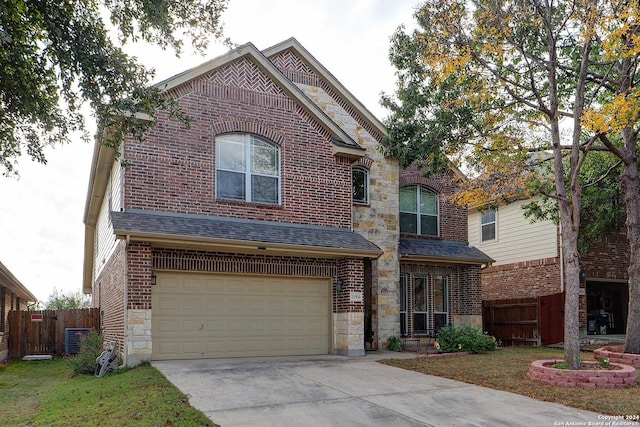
{"points": [[41, 212]]}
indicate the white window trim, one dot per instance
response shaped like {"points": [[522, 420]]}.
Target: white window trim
{"points": [[495, 227], [247, 138]]}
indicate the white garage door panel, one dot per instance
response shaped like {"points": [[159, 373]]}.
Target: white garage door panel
{"points": [[216, 315]]}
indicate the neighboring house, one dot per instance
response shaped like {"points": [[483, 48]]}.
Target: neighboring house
{"points": [[13, 296], [529, 264], [273, 226]]}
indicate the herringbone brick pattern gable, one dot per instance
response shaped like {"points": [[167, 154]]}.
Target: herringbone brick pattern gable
{"points": [[296, 70], [245, 74]]}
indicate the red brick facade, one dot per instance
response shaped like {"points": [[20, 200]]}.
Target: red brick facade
{"points": [[464, 289], [453, 217], [522, 279], [174, 168], [109, 295], [607, 259]]}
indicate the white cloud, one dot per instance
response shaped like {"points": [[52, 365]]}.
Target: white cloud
{"points": [[41, 229]]}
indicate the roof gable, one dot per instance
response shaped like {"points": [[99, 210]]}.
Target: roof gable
{"points": [[267, 77], [299, 66]]}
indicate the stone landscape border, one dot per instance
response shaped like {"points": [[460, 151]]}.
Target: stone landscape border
{"points": [[543, 372], [616, 354]]}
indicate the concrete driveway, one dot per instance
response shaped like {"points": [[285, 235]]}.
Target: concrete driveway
{"points": [[341, 391]]}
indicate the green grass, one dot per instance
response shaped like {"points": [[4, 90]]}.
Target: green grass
{"points": [[44, 393], [506, 369]]}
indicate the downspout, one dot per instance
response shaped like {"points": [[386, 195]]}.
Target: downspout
{"points": [[125, 350]]}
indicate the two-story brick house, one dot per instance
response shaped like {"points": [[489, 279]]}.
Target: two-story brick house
{"points": [[529, 264], [272, 226]]}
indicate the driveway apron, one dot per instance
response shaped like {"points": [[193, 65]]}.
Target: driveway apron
{"points": [[341, 391]]}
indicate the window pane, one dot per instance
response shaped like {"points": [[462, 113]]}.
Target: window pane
{"points": [[429, 225], [408, 223], [264, 189], [408, 199], [403, 292], [428, 202], [264, 158], [230, 185], [420, 323], [420, 294], [440, 320], [403, 323], [440, 295], [359, 179], [231, 154], [488, 216], [488, 232]]}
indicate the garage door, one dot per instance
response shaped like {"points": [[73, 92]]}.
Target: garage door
{"points": [[213, 315]]}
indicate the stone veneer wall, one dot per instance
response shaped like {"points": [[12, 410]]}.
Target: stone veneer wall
{"points": [[378, 220]]}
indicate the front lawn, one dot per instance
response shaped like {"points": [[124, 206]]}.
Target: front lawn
{"points": [[506, 370], [43, 393]]}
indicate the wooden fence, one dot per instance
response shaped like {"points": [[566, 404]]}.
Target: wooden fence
{"points": [[42, 332], [525, 321]]}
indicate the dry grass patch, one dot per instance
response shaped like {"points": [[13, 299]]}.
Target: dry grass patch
{"points": [[506, 370]]}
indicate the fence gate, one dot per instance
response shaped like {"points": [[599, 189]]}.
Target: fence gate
{"points": [[552, 318], [525, 321], [42, 332]]}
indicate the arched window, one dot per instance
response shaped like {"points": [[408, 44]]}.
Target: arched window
{"points": [[360, 183], [419, 211], [247, 169]]}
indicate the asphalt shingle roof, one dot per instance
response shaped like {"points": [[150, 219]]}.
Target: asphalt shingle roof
{"points": [[443, 249], [201, 226]]}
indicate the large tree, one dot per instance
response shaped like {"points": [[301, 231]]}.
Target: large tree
{"points": [[501, 88], [57, 55], [61, 300]]}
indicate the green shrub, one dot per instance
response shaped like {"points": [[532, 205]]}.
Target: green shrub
{"points": [[394, 344], [465, 338], [90, 348]]}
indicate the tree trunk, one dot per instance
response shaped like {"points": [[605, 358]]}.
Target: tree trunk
{"points": [[630, 187], [571, 262]]}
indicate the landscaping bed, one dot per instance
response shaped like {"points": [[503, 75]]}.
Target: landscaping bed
{"points": [[590, 376], [616, 354], [507, 370]]}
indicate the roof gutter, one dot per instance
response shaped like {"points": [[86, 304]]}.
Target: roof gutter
{"points": [[444, 260], [243, 246]]}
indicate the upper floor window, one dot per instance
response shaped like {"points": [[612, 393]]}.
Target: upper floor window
{"points": [[419, 211], [360, 182], [488, 225], [247, 169]]}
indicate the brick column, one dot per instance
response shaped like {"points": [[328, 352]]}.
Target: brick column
{"points": [[348, 313], [138, 318]]}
